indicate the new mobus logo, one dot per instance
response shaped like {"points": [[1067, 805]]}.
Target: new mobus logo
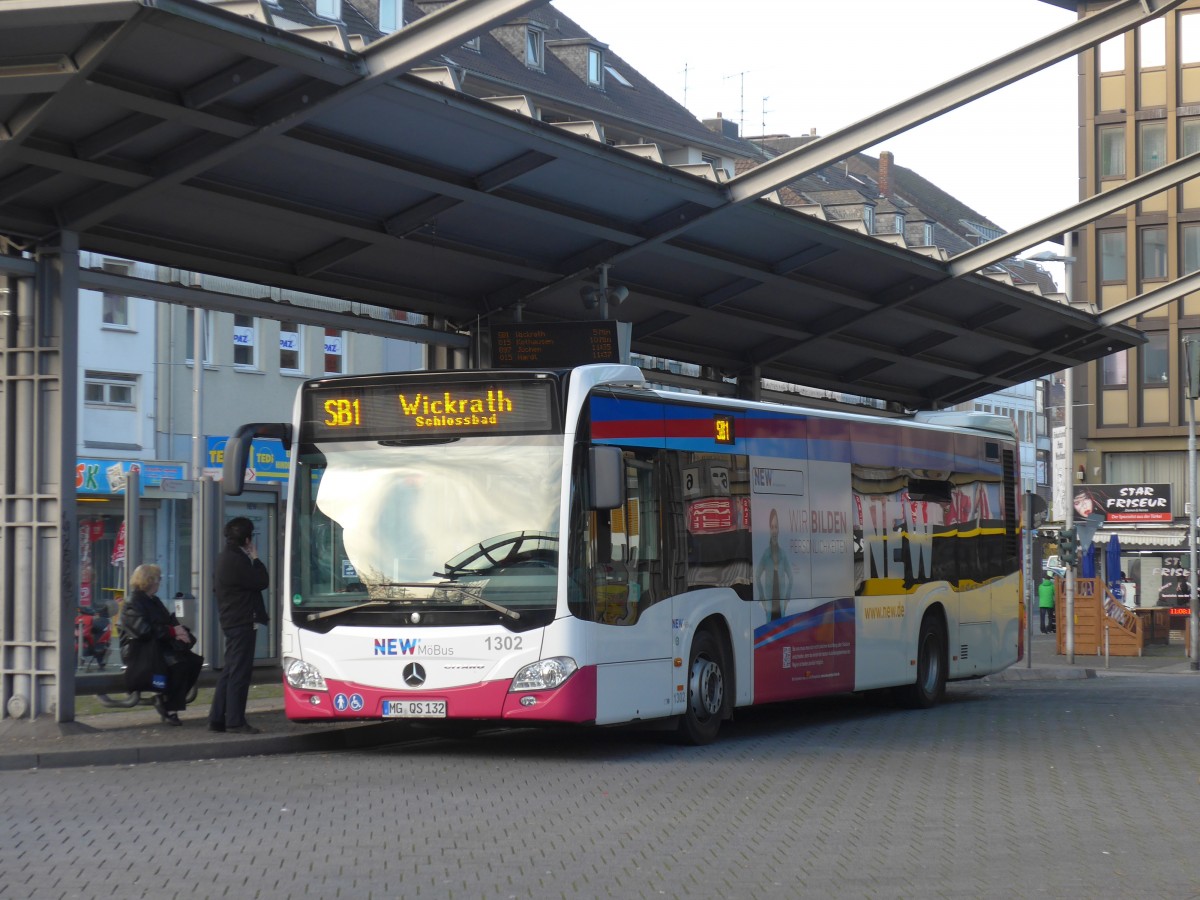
{"points": [[396, 646]]}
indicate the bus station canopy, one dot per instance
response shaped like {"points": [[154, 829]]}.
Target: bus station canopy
{"points": [[185, 135]]}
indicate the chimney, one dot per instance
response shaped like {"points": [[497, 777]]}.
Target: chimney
{"points": [[721, 125], [885, 173]]}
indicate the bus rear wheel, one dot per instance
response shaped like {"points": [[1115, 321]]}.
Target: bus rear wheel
{"points": [[707, 691], [931, 667]]}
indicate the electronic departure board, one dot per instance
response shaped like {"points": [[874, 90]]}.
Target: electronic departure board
{"points": [[427, 409], [558, 346]]}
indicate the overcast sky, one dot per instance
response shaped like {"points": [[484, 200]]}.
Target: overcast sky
{"points": [[1011, 156]]}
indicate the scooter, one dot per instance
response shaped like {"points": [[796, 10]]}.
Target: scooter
{"points": [[96, 633]]}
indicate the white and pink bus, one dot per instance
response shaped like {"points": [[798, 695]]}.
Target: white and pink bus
{"points": [[574, 547]]}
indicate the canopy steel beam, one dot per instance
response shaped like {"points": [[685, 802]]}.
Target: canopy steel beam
{"points": [[1083, 213], [983, 80]]}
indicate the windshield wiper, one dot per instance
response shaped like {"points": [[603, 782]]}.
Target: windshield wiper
{"points": [[470, 591], [324, 614]]}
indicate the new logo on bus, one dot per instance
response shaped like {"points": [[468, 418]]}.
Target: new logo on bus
{"points": [[396, 646]]}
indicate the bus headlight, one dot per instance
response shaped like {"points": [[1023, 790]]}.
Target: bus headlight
{"points": [[544, 675], [303, 676]]}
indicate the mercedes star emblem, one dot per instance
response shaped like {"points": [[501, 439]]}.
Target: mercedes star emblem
{"points": [[414, 675]]}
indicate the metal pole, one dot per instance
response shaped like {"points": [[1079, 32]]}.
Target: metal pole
{"points": [[1030, 587], [1194, 618], [1069, 438], [197, 445]]}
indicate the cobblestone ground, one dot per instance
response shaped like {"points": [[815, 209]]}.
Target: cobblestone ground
{"points": [[1064, 789]]}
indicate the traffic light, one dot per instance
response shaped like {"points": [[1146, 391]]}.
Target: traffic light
{"points": [[1068, 546]]}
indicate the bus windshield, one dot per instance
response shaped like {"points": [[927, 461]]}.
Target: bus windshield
{"points": [[458, 526]]}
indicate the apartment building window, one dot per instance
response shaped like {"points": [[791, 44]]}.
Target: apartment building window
{"points": [[1152, 146], [114, 306], [115, 310], [190, 340], [535, 49], [1152, 44], [1189, 38], [335, 356], [1155, 360], [1189, 241], [290, 347], [1112, 54], [391, 16], [1115, 370], [595, 67], [1112, 256], [1111, 141], [109, 389], [329, 9], [245, 341], [1154, 253]]}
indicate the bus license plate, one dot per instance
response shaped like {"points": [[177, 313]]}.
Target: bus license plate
{"points": [[414, 709]]}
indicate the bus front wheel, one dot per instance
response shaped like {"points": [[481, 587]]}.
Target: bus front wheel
{"points": [[931, 666], [707, 691]]}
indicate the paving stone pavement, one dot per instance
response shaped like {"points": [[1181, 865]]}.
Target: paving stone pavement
{"points": [[1060, 786]]}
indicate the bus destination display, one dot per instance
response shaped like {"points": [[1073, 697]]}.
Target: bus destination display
{"points": [[414, 410], [554, 346]]}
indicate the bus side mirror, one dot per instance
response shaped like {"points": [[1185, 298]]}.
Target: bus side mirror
{"points": [[237, 452], [606, 474]]}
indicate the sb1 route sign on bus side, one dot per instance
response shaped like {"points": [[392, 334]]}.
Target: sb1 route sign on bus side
{"points": [[559, 345]]}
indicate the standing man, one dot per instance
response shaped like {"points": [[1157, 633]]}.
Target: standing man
{"points": [[1046, 604], [240, 579]]}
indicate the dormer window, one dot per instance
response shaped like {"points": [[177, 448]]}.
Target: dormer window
{"points": [[329, 9], [391, 15], [595, 67], [868, 218], [473, 44], [535, 48]]}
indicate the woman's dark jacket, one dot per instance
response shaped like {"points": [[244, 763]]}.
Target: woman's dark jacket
{"points": [[240, 582], [144, 617]]}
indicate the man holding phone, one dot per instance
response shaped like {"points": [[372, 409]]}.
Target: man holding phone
{"points": [[240, 580]]}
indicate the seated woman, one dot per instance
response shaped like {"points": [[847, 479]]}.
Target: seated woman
{"points": [[146, 626]]}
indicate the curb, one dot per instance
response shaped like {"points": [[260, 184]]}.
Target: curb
{"points": [[350, 737], [1057, 673]]}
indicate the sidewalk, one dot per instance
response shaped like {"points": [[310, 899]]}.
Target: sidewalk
{"points": [[1043, 662], [137, 736]]}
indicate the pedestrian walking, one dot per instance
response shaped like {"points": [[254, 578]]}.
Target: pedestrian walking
{"points": [[1046, 604], [240, 580]]}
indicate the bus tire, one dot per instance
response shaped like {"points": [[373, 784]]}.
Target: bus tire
{"points": [[707, 690], [930, 685]]}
